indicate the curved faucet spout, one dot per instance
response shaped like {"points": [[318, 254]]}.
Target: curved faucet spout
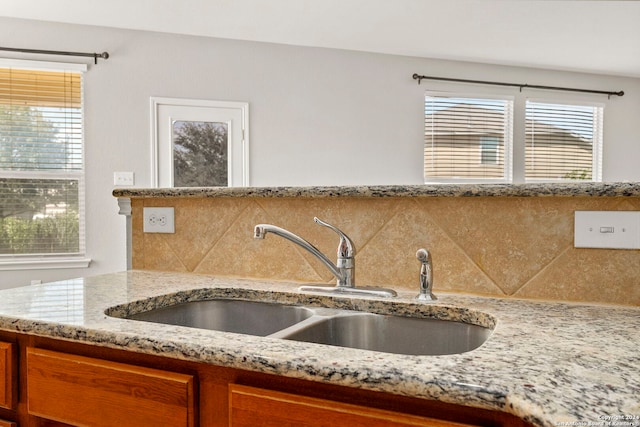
{"points": [[260, 231]]}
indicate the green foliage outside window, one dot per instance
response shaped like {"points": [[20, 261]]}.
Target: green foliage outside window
{"points": [[48, 235], [37, 215]]}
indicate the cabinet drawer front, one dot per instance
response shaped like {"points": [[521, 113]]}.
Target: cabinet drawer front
{"points": [[250, 406], [7, 370], [85, 391]]}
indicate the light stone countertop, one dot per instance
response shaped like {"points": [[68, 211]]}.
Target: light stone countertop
{"points": [[549, 363], [602, 189]]}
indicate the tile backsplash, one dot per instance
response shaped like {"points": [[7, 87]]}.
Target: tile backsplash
{"points": [[501, 246]]}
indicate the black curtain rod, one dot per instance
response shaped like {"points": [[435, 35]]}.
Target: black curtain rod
{"points": [[419, 78], [95, 56]]}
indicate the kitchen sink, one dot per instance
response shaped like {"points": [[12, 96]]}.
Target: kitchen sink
{"points": [[228, 315], [394, 334], [321, 325]]}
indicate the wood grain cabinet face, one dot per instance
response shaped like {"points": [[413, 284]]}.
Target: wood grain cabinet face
{"points": [[7, 376], [250, 406], [85, 391]]}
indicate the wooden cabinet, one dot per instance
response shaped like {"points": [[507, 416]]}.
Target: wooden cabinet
{"points": [[250, 406], [8, 376], [86, 391], [63, 383]]}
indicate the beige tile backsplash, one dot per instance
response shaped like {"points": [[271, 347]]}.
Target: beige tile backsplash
{"points": [[500, 246]]}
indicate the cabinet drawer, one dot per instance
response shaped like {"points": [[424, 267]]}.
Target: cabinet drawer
{"points": [[85, 391], [7, 376], [4, 423], [250, 406]]}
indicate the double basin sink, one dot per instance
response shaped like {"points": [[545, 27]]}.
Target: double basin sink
{"points": [[321, 325]]}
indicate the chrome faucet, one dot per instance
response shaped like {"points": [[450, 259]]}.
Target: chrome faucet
{"points": [[343, 270], [426, 276]]}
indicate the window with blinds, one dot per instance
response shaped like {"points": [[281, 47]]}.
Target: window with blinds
{"points": [[41, 163], [467, 138], [563, 142]]}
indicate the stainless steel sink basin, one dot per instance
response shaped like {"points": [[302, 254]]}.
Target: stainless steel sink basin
{"points": [[337, 327], [243, 317], [394, 334]]}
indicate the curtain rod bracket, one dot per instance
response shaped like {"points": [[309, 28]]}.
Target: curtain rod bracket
{"points": [[103, 55], [418, 77]]}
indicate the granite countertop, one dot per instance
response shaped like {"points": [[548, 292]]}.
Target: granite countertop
{"points": [[603, 189], [549, 363]]}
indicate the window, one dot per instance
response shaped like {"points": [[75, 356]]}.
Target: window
{"points": [[41, 164], [200, 151], [489, 150], [563, 142], [467, 139], [199, 143], [471, 139]]}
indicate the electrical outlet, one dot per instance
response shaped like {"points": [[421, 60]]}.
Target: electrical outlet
{"points": [[123, 178], [158, 220], [607, 229]]}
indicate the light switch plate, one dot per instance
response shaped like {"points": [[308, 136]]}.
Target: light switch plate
{"points": [[607, 229], [158, 220], [123, 178]]}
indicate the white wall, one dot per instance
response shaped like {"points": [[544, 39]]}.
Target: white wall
{"points": [[317, 116]]}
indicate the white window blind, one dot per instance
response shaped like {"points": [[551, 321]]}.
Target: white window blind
{"points": [[41, 162], [467, 138], [563, 142]]}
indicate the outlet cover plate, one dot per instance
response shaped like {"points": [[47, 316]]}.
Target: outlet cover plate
{"points": [[158, 220], [607, 229]]}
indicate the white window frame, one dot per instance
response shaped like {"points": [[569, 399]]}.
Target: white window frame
{"points": [[53, 261], [508, 137], [518, 125], [596, 160], [162, 154]]}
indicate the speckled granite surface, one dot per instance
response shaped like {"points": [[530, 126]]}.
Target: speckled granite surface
{"points": [[614, 189], [550, 363]]}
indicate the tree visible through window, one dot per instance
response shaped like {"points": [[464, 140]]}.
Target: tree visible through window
{"points": [[200, 152]]}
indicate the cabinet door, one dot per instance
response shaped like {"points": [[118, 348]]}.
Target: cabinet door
{"points": [[7, 371], [250, 406], [85, 391]]}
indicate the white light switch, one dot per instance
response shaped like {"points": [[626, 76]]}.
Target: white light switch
{"points": [[123, 178], [607, 229]]}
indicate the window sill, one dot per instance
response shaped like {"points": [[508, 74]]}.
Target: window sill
{"points": [[44, 263]]}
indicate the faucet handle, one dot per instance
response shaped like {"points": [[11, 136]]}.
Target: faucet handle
{"points": [[426, 276], [346, 248]]}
